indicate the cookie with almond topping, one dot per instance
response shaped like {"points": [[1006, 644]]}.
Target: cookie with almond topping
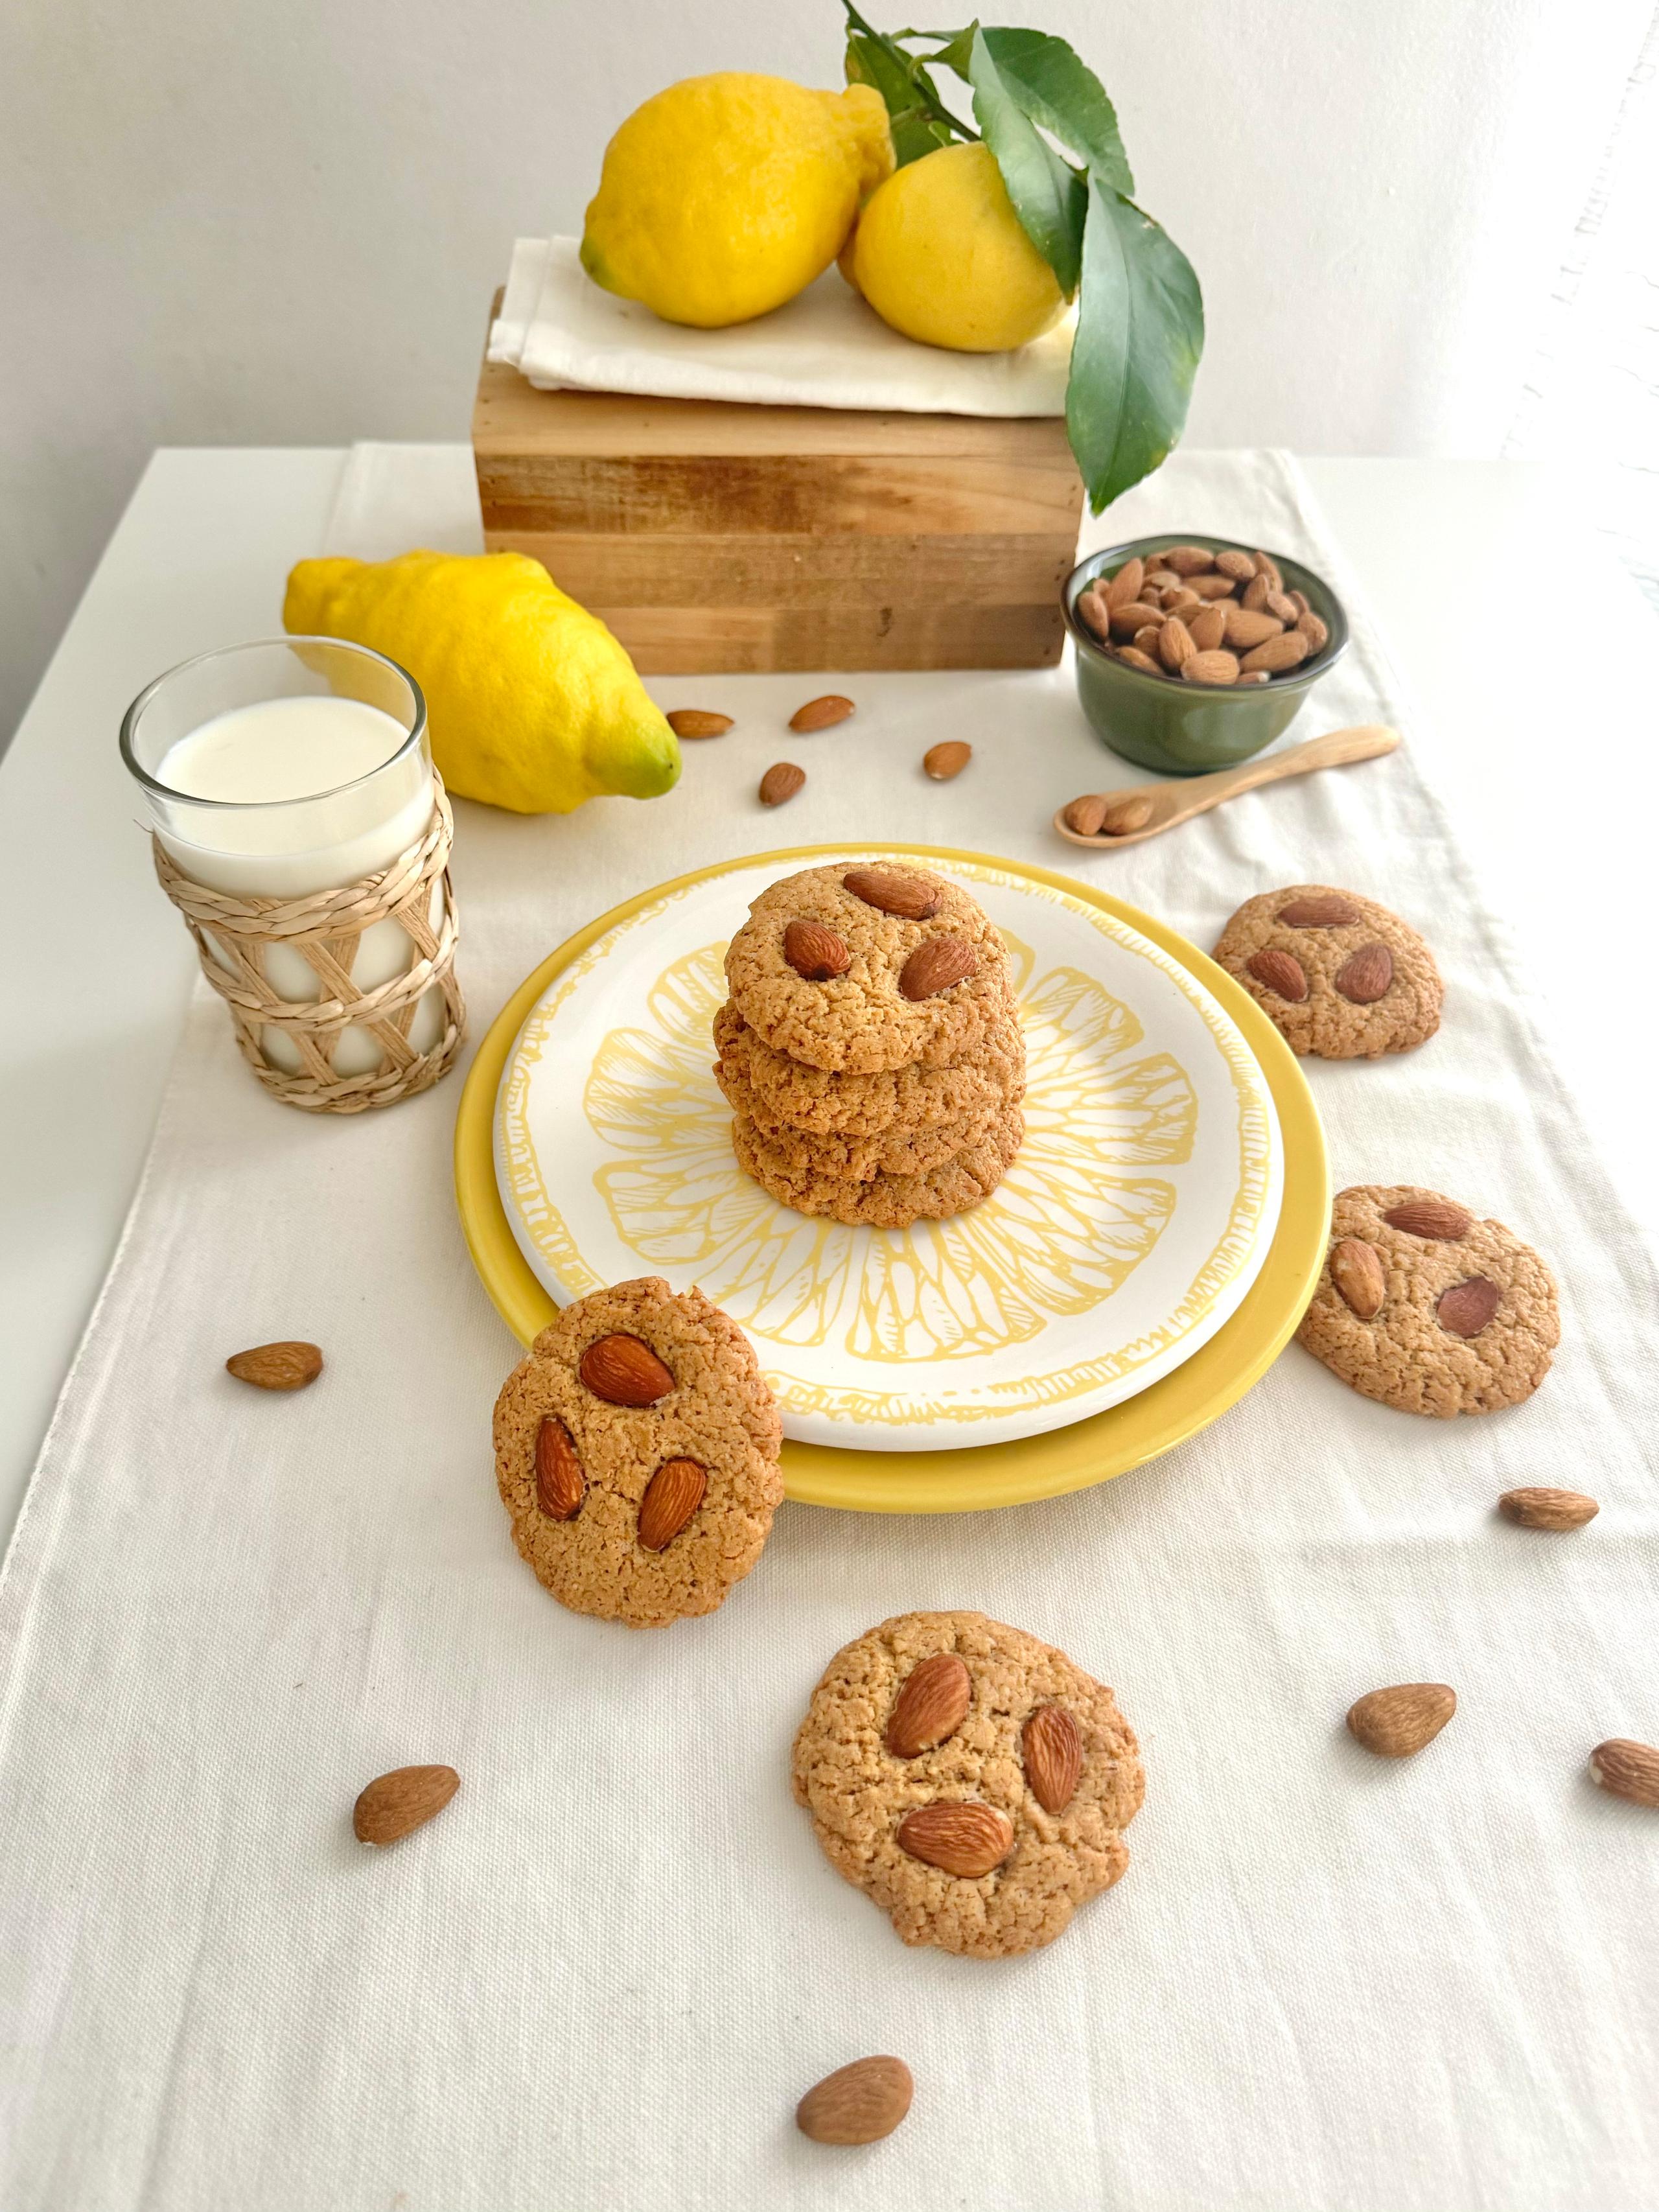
{"points": [[1337, 974], [970, 1779], [636, 1452], [774, 1088], [865, 966], [1426, 1309], [802, 1180]]}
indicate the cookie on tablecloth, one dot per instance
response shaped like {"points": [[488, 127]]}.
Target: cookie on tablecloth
{"points": [[786, 1091], [1426, 1309], [636, 1451], [970, 1779], [882, 1201], [1338, 975], [865, 968]]}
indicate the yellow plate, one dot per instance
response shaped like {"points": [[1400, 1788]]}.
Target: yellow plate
{"points": [[965, 1480]]}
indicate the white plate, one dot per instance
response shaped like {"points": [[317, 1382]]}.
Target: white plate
{"points": [[1136, 1216]]}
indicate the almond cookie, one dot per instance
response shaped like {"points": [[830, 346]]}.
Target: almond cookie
{"points": [[636, 1450], [787, 1092], [969, 1779], [1426, 1309], [862, 967], [898, 1150], [1338, 975], [883, 1201]]}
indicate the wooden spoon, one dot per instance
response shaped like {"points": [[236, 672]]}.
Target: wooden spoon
{"points": [[1151, 808]]}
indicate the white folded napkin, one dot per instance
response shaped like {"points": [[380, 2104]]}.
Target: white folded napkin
{"points": [[826, 349]]}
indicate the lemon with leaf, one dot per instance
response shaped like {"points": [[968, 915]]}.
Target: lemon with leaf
{"points": [[724, 196]]}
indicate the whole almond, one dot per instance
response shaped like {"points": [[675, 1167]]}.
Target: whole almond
{"points": [[396, 1804], [960, 1836], [1555, 1510], [1175, 644], [1187, 560], [1256, 593], [288, 1365], [1207, 628], [1124, 816], [1162, 579], [560, 1482], [1285, 608], [1182, 602], [1324, 910], [944, 760], [1146, 641], [815, 951], [857, 2103], [1299, 601], [1314, 630], [1210, 668], [1628, 1769], [694, 722], [1133, 615], [1281, 972], [1253, 676], [671, 1496], [912, 898], [1053, 1751], [1366, 976], [1397, 1721], [1239, 566], [1086, 814], [821, 713], [1125, 584], [930, 1705], [1245, 628], [935, 965], [1133, 655], [1092, 610], [624, 1371], [1357, 1272], [1278, 652], [781, 782], [1440, 1220], [1214, 587], [1265, 565], [1467, 1306]]}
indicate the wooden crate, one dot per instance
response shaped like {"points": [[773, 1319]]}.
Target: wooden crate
{"points": [[713, 537]]}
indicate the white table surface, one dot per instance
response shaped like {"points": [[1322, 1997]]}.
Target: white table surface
{"points": [[1530, 653]]}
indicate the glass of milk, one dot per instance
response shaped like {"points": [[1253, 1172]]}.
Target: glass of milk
{"points": [[289, 766]]}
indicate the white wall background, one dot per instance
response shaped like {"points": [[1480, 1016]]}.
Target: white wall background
{"points": [[229, 221]]}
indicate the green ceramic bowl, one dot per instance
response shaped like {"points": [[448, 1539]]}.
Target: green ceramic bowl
{"points": [[1187, 729]]}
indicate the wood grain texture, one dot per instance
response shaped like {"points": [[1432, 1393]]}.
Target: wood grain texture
{"points": [[742, 640]]}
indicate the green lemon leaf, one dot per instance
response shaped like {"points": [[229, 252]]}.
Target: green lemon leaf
{"points": [[1048, 196], [916, 129], [1139, 333], [1056, 89]]}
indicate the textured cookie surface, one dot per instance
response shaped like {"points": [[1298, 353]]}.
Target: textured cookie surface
{"points": [[862, 1020], [883, 1201], [898, 1150], [858, 1792], [1407, 1353], [1338, 975], [786, 1091], [719, 1414]]}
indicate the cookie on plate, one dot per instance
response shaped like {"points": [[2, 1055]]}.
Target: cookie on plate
{"points": [[1338, 975], [864, 967], [882, 1201], [788, 1092], [898, 1150], [636, 1450], [970, 1779], [1423, 1308]]}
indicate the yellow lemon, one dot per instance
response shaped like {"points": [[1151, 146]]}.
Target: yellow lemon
{"points": [[530, 701], [939, 253], [726, 195]]}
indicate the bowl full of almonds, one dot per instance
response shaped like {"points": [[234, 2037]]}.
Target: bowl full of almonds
{"points": [[1194, 653]]}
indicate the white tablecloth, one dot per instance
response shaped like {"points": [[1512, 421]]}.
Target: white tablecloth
{"points": [[1327, 1983]]}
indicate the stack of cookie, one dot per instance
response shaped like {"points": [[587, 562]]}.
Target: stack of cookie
{"points": [[871, 1049]]}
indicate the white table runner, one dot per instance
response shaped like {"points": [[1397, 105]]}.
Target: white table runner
{"points": [[603, 1976]]}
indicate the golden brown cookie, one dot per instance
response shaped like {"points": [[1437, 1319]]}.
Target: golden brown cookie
{"points": [[902, 966], [898, 1150], [1338, 975], [1426, 1309], [636, 1450], [787, 1092], [969, 1779], [883, 1201]]}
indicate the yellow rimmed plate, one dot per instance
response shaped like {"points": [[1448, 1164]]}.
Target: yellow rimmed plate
{"points": [[1087, 1450]]}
